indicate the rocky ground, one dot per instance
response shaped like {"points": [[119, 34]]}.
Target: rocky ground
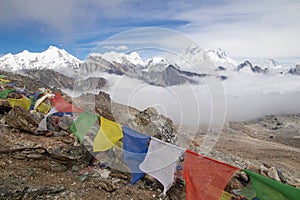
{"points": [[47, 167], [53, 165], [272, 141]]}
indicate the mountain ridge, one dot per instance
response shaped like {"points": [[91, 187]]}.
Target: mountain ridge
{"points": [[51, 58], [187, 67]]}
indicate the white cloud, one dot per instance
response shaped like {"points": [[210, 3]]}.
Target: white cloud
{"points": [[116, 48], [247, 28], [247, 96], [242, 28]]}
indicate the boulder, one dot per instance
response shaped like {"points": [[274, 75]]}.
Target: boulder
{"points": [[22, 119]]}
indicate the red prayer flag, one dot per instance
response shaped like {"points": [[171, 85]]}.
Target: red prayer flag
{"points": [[205, 177], [62, 105]]}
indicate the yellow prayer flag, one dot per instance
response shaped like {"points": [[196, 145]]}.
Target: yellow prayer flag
{"points": [[109, 134], [44, 108], [24, 102], [4, 80]]}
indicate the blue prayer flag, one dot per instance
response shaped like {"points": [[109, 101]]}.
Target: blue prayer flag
{"points": [[135, 147]]}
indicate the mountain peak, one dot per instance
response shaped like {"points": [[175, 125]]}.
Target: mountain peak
{"points": [[25, 51], [121, 58], [270, 63], [52, 48], [192, 50]]}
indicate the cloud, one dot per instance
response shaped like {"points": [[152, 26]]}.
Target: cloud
{"points": [[55, 14], [70, 15], [254, 96], [242, 28], [116, 48]]}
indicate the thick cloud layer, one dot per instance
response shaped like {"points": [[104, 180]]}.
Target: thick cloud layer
{"points": [[241, 97]]}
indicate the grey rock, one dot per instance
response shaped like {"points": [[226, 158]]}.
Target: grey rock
{"points": [[21, 119], [272, 173], [105, 185], [65, 122], [295, 70]]}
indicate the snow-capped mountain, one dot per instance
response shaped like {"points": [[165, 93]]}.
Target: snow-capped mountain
{"points": [[270, 63], [156, 64], [157, 71], [130, 59], [220, 57], [186, 67], [194, 59], [52, 58]]}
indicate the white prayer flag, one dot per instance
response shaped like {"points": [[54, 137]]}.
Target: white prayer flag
{"points": [[43, 122], [160, 162]]}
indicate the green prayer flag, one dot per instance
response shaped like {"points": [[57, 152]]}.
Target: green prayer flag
{"points": [[248, 191], [267, 188], [83, 124], [2, 76], [5, 93]]}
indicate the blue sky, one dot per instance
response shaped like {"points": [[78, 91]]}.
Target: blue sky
{"points": [[254, 28]]}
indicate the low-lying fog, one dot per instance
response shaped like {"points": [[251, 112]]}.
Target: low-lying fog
{"points": [[239, 98]]}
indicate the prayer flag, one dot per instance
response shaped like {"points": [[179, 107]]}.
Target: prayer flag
{"points": [[24, 102], [62, 105], [43, 108], [109, 134], [43, 122], [4, 80], [5, 93], [135, 146], [205, 178], [266, 188], [161, 161], [83, 124]]}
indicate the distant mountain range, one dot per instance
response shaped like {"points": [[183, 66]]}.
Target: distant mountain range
{"points": [[52, 58], [187, 67]]}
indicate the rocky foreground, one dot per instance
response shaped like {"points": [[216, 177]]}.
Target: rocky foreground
{"points": [[53, 165]]}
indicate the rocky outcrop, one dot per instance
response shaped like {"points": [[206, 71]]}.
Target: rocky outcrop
{"points": [[148, 122], [22, 119], [295, 70], [247, 66], [24, 81]]}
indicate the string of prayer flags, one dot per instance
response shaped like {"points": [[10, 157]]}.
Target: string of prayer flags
{"points": [[109, 134], [135, 146], [62, 105], [205, 178], [161, 161], [266, 188], [83, 124]]}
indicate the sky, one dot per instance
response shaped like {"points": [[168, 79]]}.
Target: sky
{"points": [[244, 29]]}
